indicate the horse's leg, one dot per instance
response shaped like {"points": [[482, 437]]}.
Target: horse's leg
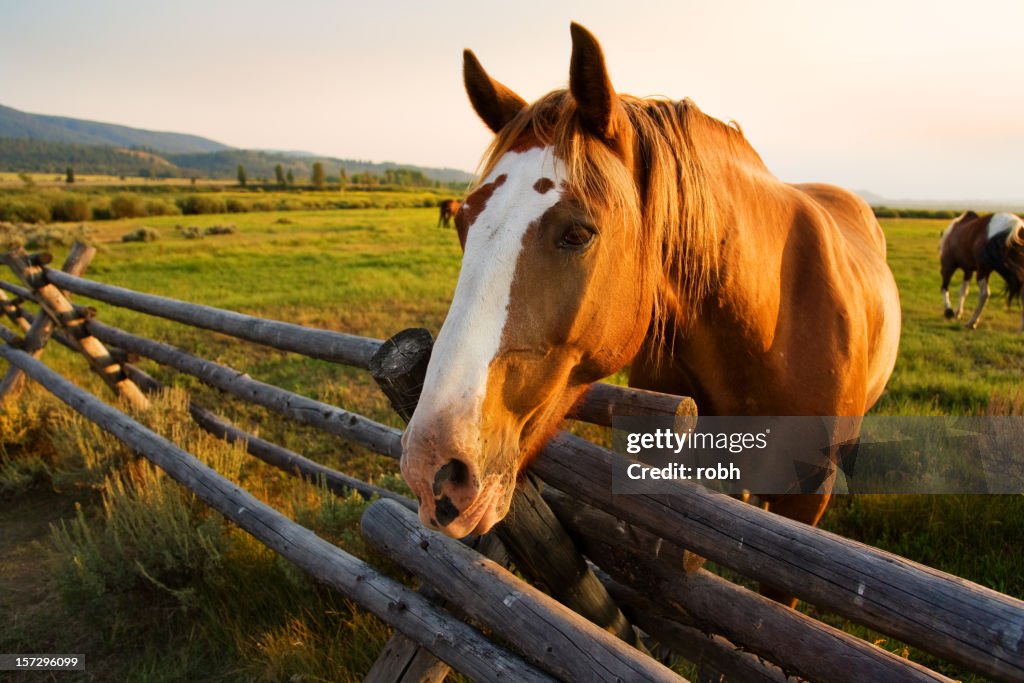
{"points": [[803, 507], [982, 298], [964, 288], [947, 275]]}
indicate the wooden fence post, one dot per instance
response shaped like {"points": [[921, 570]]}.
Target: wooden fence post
{"points": [[41, 328], [57, 307]]}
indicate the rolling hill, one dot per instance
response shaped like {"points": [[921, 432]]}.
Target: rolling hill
{"points": [[19, 124], [41, 143]]}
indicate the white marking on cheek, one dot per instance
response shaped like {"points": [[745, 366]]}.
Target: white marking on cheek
{"points": [[471, 334]]}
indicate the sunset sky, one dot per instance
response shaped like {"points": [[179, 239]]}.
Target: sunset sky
{"points": [[919, 100]]}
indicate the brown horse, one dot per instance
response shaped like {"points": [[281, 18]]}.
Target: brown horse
{"points": [[449, 208], [982, 245], [607, 230]]}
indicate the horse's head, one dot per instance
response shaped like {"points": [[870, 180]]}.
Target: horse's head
{"points": [[553, 293]]}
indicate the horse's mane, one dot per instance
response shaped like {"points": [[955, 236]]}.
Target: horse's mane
{"points": [[670, 204]]}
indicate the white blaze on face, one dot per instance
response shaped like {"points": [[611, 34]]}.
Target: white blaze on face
{"points": [[471, 335]]}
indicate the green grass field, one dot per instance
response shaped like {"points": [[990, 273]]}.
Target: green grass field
{"points": [[218, 607]]}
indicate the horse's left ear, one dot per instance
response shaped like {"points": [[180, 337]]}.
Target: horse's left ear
{"points": [[590, 85]]}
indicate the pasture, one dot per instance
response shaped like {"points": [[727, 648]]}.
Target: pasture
{"points": [[220, 607]]}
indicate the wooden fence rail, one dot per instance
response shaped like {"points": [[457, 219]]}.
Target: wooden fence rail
{"points": [[943, 614], [441, 633], [557, 638]]}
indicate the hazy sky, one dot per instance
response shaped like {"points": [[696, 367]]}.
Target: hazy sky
{"points": [[905, 99]]}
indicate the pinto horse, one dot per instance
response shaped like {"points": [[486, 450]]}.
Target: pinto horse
{"points": [[982, 245], [608, 230], [449, 208]]}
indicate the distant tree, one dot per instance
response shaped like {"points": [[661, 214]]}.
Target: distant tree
{"points": [[279, 174], [318, 175], [69, 175], [242, 177], [342, 179], [291, 177]]}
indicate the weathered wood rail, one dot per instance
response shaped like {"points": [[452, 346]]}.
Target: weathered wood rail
{"points": [[641, 542], [441, 633]]}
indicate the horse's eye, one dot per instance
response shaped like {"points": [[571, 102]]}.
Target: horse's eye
{"points": [[576, 237]]}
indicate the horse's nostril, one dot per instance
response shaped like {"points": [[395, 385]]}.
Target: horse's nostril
{"points": [[445, 510], [454, 471]]}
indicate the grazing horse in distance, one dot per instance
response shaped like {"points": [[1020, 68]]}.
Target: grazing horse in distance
{"points": [[982, 245], [607, 230], [449, 207]]}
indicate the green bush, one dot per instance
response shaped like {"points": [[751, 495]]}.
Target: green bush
{"points": [[70, 209], [236, 206], [127, 206], [228, 229], [142, 234], [24, 210], [195, 204], [161, 207]]}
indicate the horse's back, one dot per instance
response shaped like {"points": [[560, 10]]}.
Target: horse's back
{"points": [[861, 256]]}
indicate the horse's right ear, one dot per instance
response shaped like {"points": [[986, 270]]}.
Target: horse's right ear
{"points": [[493, 102]]}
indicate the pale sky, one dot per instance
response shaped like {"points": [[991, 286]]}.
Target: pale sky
{"points": [[906, 99]]}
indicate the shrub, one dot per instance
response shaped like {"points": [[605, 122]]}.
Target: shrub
{"points": [[195, 204], [70, 209], [236, 206], [141, 234], [11, 236], [47, 237], [127, 206], [161, 207], [192, 232], [228, 229], [24, 210]]}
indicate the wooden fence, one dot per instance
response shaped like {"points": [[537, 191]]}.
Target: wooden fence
{"points": [[625, 563]]}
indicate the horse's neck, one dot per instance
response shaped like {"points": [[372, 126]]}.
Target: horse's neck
{"points": [[750, 206]]}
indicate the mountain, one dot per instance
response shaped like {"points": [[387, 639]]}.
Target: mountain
{"points": [[19, 124]]}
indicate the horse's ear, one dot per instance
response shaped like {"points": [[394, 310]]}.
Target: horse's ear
{"points": [[590, 85], [496, 104]]}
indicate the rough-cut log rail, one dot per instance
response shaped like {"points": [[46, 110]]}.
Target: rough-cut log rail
{"points": [[29, 268], [12, 309], [444, 635], [813, 650], [324, 344], [334, 346], [42, 327], [556, 638], [351, 426], [706, 650], [17, 291], [603, 401], [272, 454], [953, 618]]}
